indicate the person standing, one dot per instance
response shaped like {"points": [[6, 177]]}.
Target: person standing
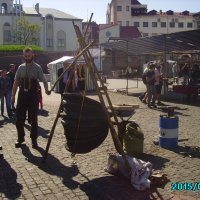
{"points": [[11, 75], [158, 83], [175, 72], [81, 79], [5, 88], [40, 99], [65, 80], [151, 90], [26, 78], [143, 97], [62, 84]]}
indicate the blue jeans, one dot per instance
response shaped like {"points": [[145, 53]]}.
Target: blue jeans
{"points": [[7, 97], [12, 106]]}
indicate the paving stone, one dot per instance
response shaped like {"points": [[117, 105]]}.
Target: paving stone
{"points": [[83, 177]]}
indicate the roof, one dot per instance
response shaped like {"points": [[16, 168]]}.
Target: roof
{"points": [[105, 26], [180, 41], [129, 32], [60, 60], [93, 31], [135, 2], [49, 11]]}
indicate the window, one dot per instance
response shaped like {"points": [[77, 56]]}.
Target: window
{"points": [[154, 24], [145, 34], [163, 24], [145, 24], [180, 25], [61, 39], [189, 24], [127, 8], [49, 42], [120, 23], [7, 33], [119, 8], [136, 24], [4, 8], [49, 26], [7, 36], [172, 24], [61, 43], [154, 34], [127, 23], [108, 34]]}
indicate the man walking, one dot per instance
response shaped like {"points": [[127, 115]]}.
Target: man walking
{"points": [[26, 78]]}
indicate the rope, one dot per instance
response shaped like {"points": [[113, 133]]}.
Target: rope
{"points": [[77, 130]]}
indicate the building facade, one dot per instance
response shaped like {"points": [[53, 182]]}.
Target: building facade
{"points": [[133, 13], [56, 28]]}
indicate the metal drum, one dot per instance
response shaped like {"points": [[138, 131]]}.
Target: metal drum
{"points": [[168, 137]]}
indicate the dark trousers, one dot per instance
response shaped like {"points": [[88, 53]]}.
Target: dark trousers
{"points": [[27, 101]]}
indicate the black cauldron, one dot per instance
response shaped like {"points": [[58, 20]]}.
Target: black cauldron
{"points": [[85, 123]]}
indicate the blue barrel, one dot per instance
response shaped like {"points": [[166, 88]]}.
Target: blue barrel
{"points": [[168, 137]]}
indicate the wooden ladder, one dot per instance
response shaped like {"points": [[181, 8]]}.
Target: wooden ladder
{"points": [[101, 90]]}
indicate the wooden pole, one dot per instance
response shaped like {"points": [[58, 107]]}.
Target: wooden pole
{"points": [[92, 67], [71, 65], [59, 110]]}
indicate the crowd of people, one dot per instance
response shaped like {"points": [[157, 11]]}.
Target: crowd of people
{"points": [[26, 79], [189, 72], [152, 78], [73, 80]]}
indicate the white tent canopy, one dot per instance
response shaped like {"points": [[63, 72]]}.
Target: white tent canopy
{"points": [[60, 60], [57, 64]]}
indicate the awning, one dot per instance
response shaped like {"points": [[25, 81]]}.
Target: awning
{"points": [[166, 43], [61, 60]]}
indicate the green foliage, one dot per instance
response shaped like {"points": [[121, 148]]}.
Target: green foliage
{"points": [[9, 48], [26, 32]]}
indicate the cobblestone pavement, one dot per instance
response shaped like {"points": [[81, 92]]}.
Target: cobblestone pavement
{"points": [[24, 176]]}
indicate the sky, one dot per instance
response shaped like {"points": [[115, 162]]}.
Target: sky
{"points": [[83, 8]]}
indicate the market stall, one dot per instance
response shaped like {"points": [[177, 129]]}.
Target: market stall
{"points": [[57, 64]]}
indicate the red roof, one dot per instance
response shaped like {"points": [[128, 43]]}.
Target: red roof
{"points": [[135, 2], [129, 32]]}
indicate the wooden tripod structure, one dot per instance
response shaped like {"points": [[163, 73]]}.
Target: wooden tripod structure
{"points": [[101, 92]]}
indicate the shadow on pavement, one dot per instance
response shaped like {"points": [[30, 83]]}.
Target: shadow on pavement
{"points": [[53, 167], [107, 187], [6, 120], [157, 161], [43, 112], [188, 151], [8, 181], [119, 188], [41, 131]]}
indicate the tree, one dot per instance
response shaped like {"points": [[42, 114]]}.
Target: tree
{"points": [[27, 33]]}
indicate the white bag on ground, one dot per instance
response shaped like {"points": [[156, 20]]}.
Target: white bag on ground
{"points": [[139, 174]]}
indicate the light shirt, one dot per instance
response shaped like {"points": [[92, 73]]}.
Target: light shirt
{"points": [[157, 77], [32, 71]]}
